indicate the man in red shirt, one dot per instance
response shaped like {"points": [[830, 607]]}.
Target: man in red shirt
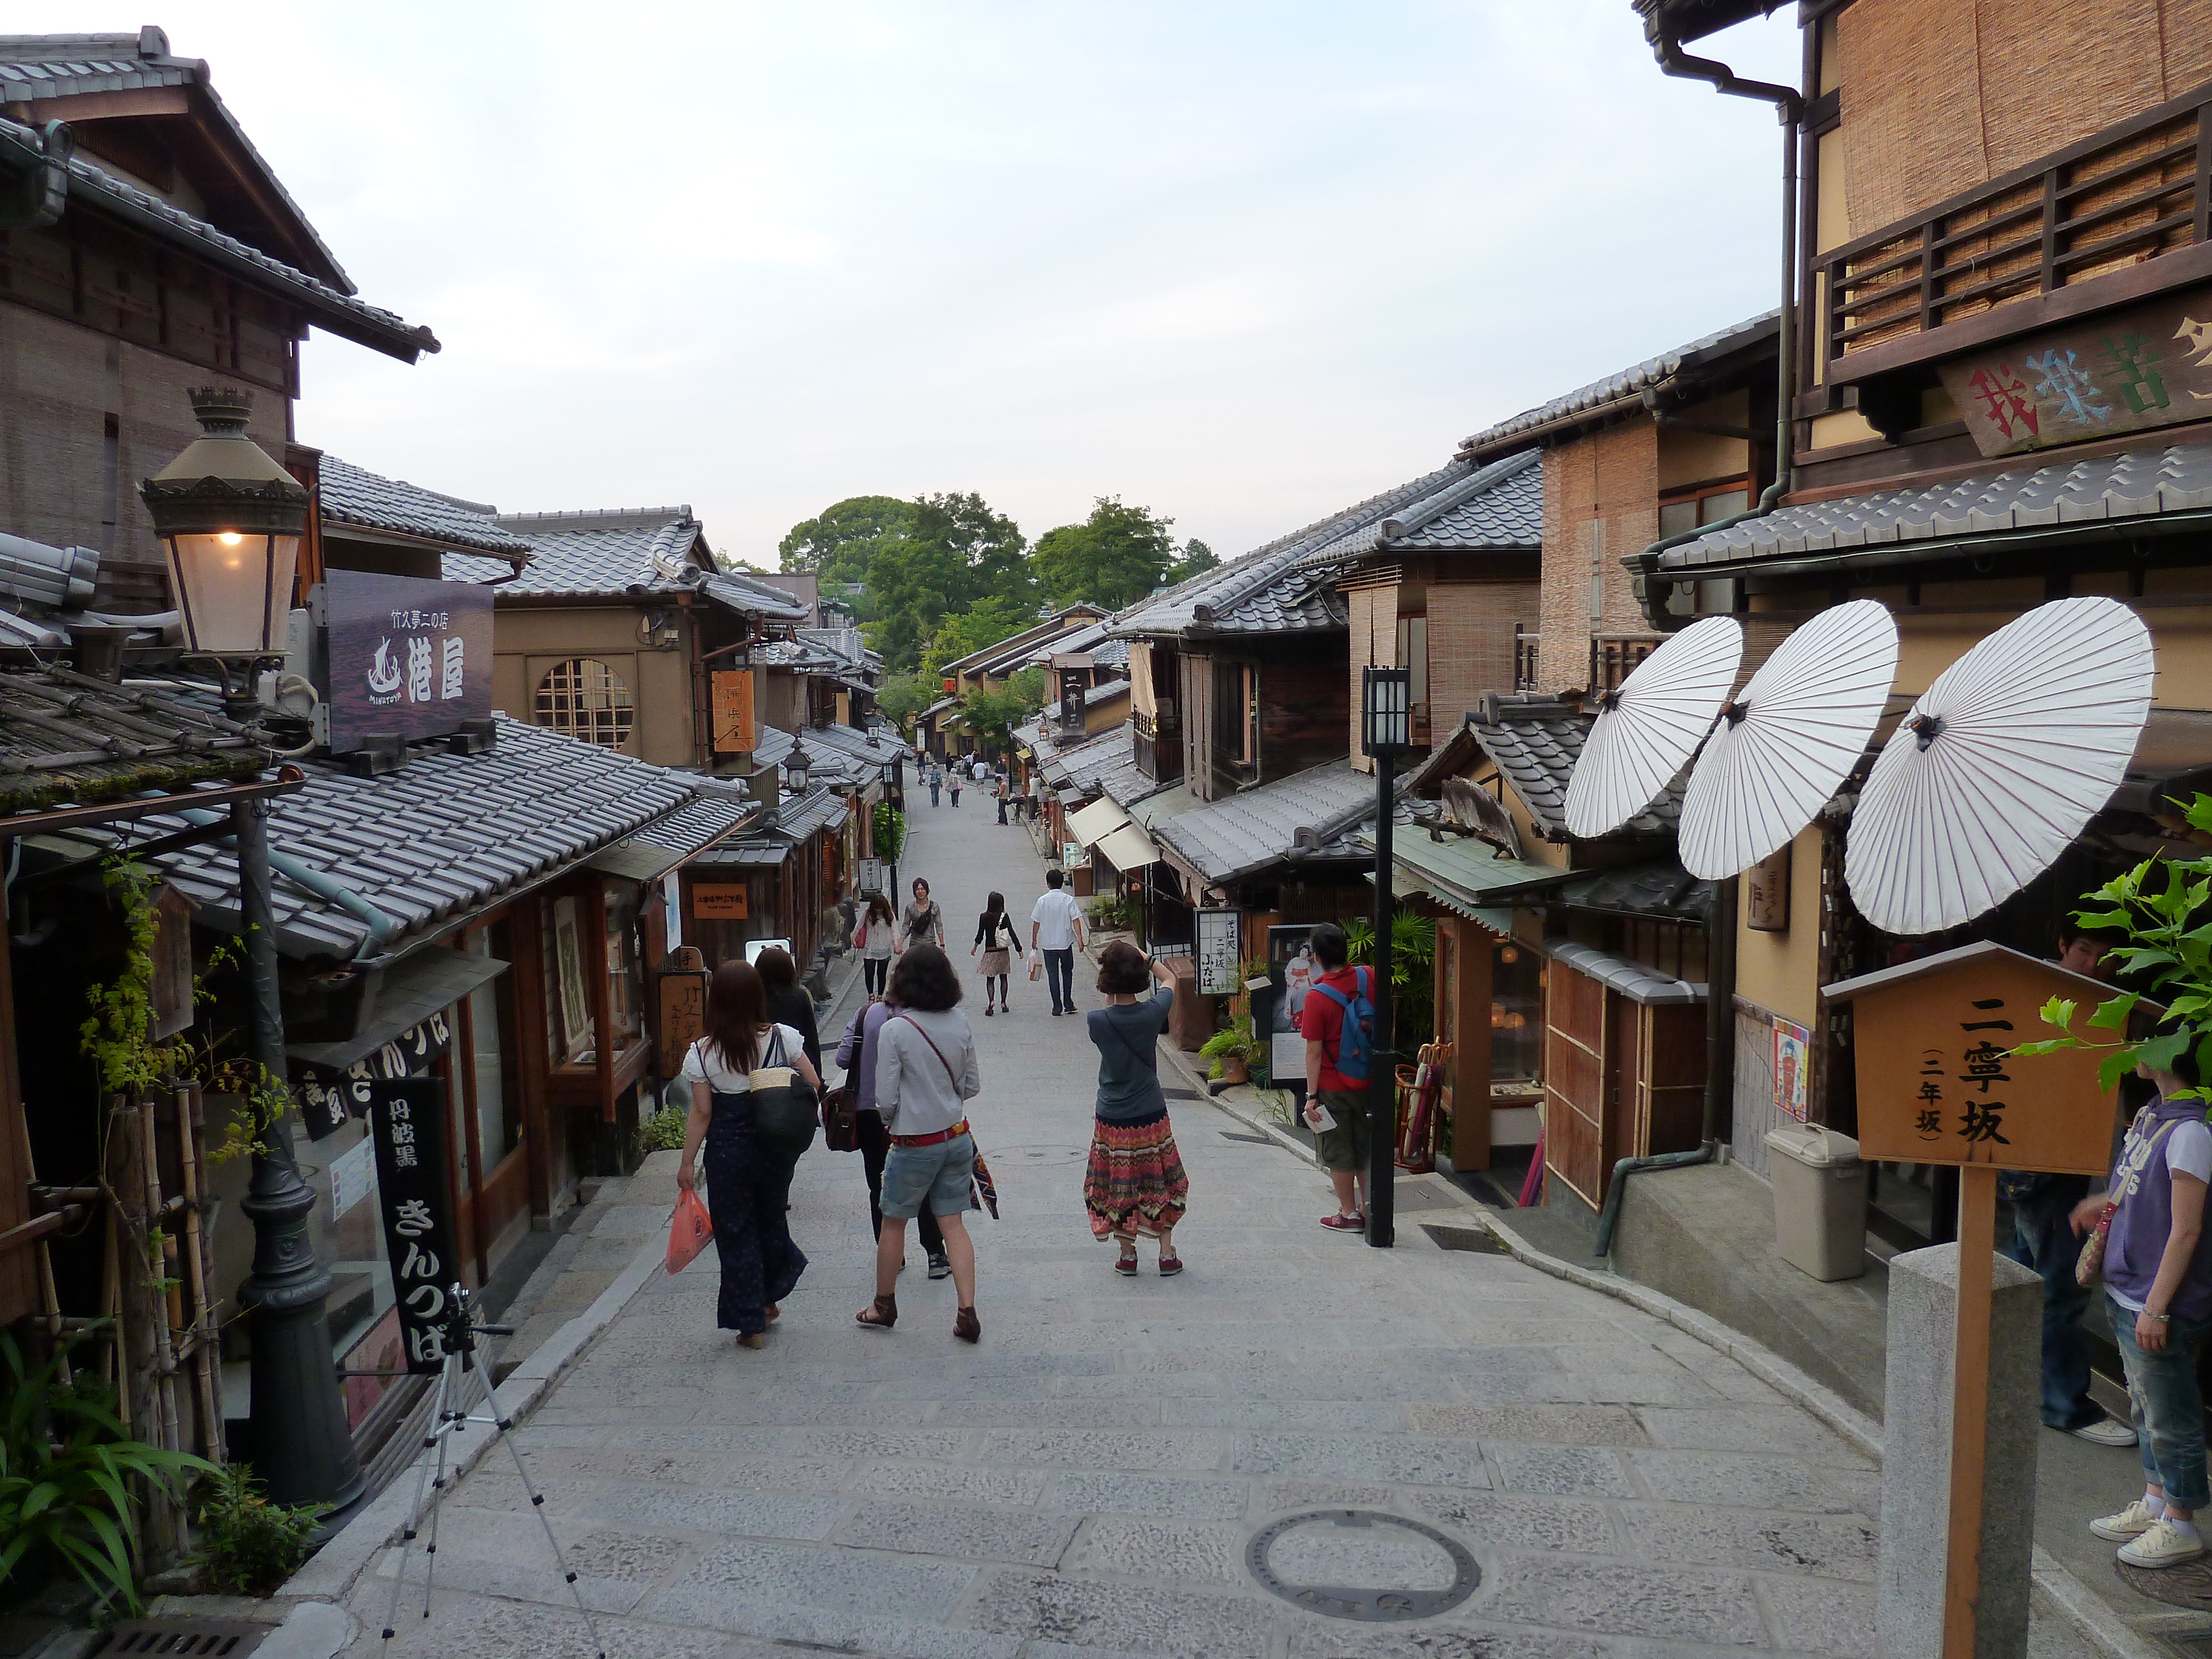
{"points": [[1341, 1146]]}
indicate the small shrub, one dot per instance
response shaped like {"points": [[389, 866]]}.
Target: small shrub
{"points": [[663, 1132], [248, 1545]]}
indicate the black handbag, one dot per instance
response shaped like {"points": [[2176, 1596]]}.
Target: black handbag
{"points": [[785, 1116]]}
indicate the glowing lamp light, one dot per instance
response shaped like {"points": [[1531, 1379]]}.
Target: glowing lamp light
{"points": [[229, 519]]}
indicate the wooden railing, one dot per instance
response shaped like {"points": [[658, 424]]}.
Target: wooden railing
{"points": [[1524, 657], [2115, 200], [1614, 657]]}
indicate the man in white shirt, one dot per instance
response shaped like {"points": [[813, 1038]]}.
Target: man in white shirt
{"points": [[1056, 928]]}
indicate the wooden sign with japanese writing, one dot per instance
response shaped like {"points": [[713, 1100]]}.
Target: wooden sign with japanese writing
{"points": [[1766, 893], [725, 903], [683, 1004], [2127, 371], [1937, 1083], [734, 731]]}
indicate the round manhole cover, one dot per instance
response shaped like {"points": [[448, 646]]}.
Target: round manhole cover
{"points": [[2189, 1585], [1361, 1564]]}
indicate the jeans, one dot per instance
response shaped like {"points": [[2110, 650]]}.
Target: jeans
{"points": [[875, 1147], [956, 798], [2169, 1413], [2043, 1240], [932, 794], [1059, 975], [875, 974], [1002, 809]]}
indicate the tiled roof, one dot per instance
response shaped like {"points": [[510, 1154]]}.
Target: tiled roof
{"points": [[1499, 508], [332, 308], [1266, 592], [441, 837], [1226, 839], [353, 494], [35, 67], [869, 747], [1080, 765], [67, 738], [2063, 496], [1628, 383], [604, 555], [1534, 742], [1104, 650]]}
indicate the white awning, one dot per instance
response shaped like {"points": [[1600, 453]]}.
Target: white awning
{"points": [[1096, 821], [1129, 848]]}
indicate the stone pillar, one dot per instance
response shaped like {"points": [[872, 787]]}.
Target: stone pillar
{"points": [[1917, 1455]]}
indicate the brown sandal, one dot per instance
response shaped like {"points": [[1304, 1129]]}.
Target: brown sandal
{"points": [[753, 1340], [880, 1314], [966, 1326]]}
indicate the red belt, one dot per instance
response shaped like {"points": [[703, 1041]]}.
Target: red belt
{"points": [[952, 1134]]}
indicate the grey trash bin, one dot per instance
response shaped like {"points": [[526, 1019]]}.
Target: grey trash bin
{"points": [[1819, 1201]]}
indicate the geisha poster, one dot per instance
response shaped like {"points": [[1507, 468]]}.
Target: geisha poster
{"points": [[1293, 973]]}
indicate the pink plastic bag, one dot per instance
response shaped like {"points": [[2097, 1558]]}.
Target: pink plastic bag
{"points": [[689, 1232]]}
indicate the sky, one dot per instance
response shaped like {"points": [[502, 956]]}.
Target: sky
{"points": [[1243, 264]]}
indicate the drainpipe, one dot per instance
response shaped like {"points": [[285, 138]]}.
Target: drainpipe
{"points": [[1790, 108], [1609, 1217], [381, 925]]}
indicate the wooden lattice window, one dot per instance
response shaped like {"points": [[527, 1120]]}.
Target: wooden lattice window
{"points": [[585, 698]]}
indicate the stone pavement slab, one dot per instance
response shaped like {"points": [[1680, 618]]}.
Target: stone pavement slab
{"points": [[1085, 1481]]}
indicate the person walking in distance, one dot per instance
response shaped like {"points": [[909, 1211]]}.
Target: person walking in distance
{"points": [[925, 1073], [2158, 1289], [936, 782], [922, 922], [996, 940], [788, 1003], [877, 935], [953, 782], [1056, 929], [1336, 1105], [1135, 1186], [748, 1181], [999, 792], [856, 1052]]}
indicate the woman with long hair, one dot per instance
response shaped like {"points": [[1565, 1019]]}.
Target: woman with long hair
{"points": [[923, 920], [748, 1179], [1135, 1186], [879, 933], [926, 1074], [788, 1003], [994, 937]]}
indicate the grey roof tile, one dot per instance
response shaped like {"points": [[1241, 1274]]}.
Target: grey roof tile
{"points": [[1225, 840], [1628, 383], [353, 494], [600, 554], [1534, 742], [67, 738], [2135, 484], [1497, 508]]}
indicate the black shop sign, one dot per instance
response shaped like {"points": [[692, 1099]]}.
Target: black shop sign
{"points": [[329, 1096], [405, 655], [408, 1118]]}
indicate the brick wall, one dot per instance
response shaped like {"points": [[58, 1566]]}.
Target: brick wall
{"points": [[1471, 644], [1604, 486]]}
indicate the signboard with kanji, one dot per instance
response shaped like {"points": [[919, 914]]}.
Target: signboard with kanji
{"points": [[2128, 372], [402, 654], [682, 1004], [408, 1118], [1938, 1084], [1218, 974], [734, 731], [718, 904]]}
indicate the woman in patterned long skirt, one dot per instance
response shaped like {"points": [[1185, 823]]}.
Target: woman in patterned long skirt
{"points": [[1135, 1187], [748, 1179]]}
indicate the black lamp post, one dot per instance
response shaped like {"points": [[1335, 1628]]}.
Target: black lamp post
{"points": [[229, 519], [1385, 732]]}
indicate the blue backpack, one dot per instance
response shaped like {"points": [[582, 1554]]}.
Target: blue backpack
{"points": [[1355, 1038]]}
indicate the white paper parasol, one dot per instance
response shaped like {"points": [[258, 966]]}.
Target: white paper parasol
{"points": [[1646, 730], [1999, 765], [1787, 740]]}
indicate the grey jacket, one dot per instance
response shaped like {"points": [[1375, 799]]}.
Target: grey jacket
{"points": [[916, 1092]]}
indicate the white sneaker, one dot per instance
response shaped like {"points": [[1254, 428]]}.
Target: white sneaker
{"points": [[2163, 1546], [2133, 1521], [2105, 1431]]}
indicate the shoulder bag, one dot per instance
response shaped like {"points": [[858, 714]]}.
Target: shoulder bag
{"points": [[2091, 1263], [841, 1119], [784, 1109]]}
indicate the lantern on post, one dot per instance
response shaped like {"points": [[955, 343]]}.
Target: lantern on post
{"points": [[1386, 730], [798, 771], [229, 519]]}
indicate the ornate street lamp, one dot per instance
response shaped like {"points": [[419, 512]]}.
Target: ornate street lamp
{"points": [[229, 519], [1386, 722], [798, 769]]}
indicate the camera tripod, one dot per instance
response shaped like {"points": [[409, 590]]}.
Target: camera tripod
{"points": [[462, 1386]]}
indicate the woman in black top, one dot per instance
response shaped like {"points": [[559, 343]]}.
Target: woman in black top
{"points": [[994, 937], [788, 1001]]}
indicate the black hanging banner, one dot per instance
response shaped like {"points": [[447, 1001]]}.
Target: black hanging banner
{"points": [[408, 1118], [330, 1098]]}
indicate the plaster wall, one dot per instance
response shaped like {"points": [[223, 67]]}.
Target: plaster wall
{"points": [[1690, 458], [1780, 971], [529, 640]]}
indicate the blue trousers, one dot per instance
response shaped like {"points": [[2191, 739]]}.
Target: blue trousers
{"points": [[1060, 977], [2169, 1412], [2044, 1242], [932, 794]]}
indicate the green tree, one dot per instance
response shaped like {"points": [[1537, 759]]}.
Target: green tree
{"points": [[1197, 559], [954, 553], [840, 544], [1117, 555], [993, 715], [902, 696], [985, 623]]}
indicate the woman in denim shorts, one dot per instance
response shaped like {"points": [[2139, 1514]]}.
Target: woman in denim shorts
{"points": [[926, 1074]]}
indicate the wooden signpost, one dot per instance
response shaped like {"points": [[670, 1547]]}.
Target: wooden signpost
{"points": [[1937, 1084], [681, 987]]}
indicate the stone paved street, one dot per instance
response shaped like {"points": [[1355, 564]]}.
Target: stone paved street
{"points": [[1086, 1480]]}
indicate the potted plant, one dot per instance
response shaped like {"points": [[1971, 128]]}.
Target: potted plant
{"points": [[1232, 1052]]}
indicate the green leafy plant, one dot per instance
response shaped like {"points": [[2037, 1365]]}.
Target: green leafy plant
{"points": [[1237, 1042], [2169, 944], [248, 1545], [65, 1462], [1113, 914], [890, 832], [1413, 966], [663, 1132]]}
